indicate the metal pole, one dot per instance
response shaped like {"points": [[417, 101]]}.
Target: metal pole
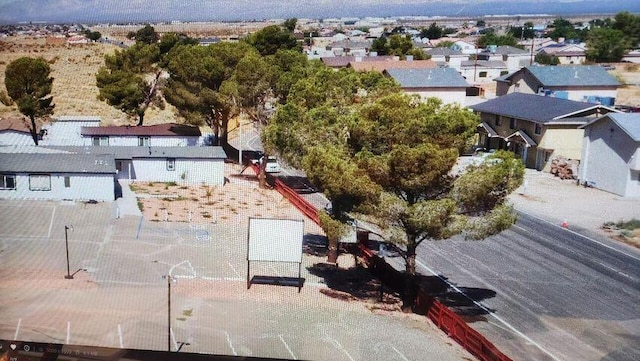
{"points": [[240, 140], [66, 242], [169, 313]]}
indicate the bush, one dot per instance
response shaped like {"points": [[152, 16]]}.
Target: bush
{"points": [[629, 225]]}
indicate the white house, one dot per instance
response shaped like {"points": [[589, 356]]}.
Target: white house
{"points": [[57, 176], [183, 165], [611, 154], [160, 135], [66, 130], [443, 83], [447, 57], [513, 58], [482, 71], [14, 131], [566, 53], [467, 47]]}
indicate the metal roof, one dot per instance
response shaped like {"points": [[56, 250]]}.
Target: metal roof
{"points": [[131, 152], [536, 108], [57, 163], [573, 75], [428, 78], [628, 122], [167, 129]]}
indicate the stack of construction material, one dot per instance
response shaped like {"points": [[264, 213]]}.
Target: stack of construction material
{"points": [[564, 168]]}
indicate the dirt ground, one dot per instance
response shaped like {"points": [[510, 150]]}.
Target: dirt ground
{"points": [[231, 204]]}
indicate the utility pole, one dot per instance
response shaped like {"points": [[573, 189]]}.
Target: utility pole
{"points": [[169, 279], [66, 242]]}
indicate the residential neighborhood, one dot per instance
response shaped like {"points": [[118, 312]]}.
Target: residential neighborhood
{"points": [[461, 188]]}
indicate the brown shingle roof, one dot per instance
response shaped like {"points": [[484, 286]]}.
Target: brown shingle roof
{"points": [[381, 66], [168, 129], [343, 61]]}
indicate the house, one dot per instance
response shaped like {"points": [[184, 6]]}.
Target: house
{"points": [[514, 58], [14, 131], [633, 56], [566, 53], [66, 129], [611, 154], [482, 71], [465, 46], [447, 57], [359, 65], [537, 128], [337, 62], [183, 165], [443, 83], [160, 135], [573, 82], [57, 176], [349, 47]]}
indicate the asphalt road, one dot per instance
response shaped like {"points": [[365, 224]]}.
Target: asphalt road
{"points": [[546, 293]]}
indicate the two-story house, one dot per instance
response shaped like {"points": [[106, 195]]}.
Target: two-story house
{"points": [[535, 127], [513, 58], [447, 57], [591, 83]]}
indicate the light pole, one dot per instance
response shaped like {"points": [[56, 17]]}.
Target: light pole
{"points": [[66, 242], [169, 279]]}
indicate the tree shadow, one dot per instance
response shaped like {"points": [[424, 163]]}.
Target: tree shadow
{"points": [[355, 284], [300, 185], [315, 245]]}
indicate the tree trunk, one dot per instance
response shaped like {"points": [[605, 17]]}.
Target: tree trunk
{"points": [[140, 118], [223, 137], [410, 287], [262, 175], [33, 129], [332, 255]]}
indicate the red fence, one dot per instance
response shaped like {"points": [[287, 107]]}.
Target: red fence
{"points": [[446, 319]]}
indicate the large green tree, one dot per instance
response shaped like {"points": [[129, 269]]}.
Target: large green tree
{"points": [[491, 38], [389, 158], [202, 84], [270, 39], [29, 84], [398, 45], [607, 45]]}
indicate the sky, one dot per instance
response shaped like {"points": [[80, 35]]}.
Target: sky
{"points": [[13, 11]]}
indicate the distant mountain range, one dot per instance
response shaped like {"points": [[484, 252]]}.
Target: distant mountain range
{"points": [[122, 11]]}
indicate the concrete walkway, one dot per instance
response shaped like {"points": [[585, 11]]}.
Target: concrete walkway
{"points": [[128, 203]]}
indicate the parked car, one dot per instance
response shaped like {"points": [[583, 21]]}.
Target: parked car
{"points": [[272, 165]]}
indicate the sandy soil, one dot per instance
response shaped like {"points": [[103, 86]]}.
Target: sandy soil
{"points": [[232, 203]]}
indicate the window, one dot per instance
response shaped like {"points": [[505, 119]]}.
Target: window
{"points": [[171, 164], [100, 140], [482, 74], [512, 123], [143, 141], [67, 181], [39, 182], [538, 129], [7, 181], [504, 72], [497, 121]]}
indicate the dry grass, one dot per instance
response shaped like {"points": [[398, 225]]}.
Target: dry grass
{"points": [[73, 68]]}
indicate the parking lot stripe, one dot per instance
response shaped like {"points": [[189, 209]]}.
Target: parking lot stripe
{"points": [[53, 214], [17, 329], [173, 338], [287, 346], [234, 270], [120, 336], [68, 331], [230, 344], [400, 353], [343, 350]]}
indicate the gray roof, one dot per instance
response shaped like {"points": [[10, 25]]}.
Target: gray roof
{"points": [[506, 50], [57, 163], [124, 152], [428, 78], [533, 107], [573, 75], [443, 51], [483, 64], [628, 122]]}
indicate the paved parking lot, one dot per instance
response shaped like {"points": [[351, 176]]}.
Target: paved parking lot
{"points": [[118, 297]]}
